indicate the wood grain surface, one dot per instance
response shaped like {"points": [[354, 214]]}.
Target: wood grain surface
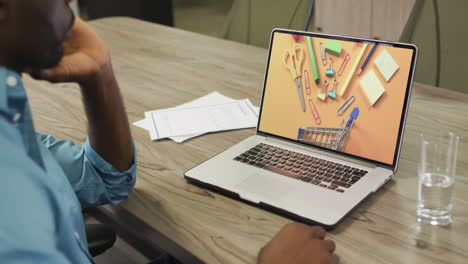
{"points": [[160, 67]]}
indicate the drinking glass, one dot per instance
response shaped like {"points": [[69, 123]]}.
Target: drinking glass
{"points": [[437, 168]]}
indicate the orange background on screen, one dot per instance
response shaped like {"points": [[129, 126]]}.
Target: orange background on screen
{"points": [[375, 131]]}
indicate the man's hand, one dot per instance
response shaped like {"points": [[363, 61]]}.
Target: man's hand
{"points": [[86, 61], [85, 58], [298, 243]]}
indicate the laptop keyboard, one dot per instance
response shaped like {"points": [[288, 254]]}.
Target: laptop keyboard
{"points": [[326, 174]]}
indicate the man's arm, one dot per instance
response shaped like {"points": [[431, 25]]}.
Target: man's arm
{"points": [[87, 62], [103, 170], [108, 129]]}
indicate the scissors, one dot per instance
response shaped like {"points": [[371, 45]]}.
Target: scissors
{"points": [[293, 59]]}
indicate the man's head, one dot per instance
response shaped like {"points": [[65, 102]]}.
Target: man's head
{"points": [[33, 32]]}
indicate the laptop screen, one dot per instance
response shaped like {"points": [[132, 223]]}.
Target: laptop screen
{"points": [[337, 93]]}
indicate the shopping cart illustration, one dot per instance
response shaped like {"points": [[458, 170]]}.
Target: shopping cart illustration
{"points": [[332, 138]]}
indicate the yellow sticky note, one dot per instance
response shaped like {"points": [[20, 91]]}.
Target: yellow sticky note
{"points": [[372, 87], [386, 65]]}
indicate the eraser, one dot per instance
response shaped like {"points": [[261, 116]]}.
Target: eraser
{"points": [[333, 47]]}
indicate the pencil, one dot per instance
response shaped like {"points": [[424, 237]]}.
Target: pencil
{"points": [[353, 70], [312, 60], [367, 60]]}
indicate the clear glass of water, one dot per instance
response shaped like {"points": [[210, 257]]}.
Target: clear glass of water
{"points": [[437, 168]]}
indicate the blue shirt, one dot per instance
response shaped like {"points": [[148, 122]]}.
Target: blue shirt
{"points": [[45, 183]]}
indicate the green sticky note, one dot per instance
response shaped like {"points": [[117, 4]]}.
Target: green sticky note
{"points": [[333, 47]]}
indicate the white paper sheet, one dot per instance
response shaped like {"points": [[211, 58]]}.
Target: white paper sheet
{"points": [[201, 119], [209, 99], [144, 123], [214, 98]]}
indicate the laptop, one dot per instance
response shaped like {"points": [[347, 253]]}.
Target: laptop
{"points": [[330, 127]]}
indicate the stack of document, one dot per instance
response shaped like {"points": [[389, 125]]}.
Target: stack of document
{"points": [[211, 113]]}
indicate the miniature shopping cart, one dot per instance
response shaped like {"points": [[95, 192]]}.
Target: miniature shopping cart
{"points": [[332, 138]]}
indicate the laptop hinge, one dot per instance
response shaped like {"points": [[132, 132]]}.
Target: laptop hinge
{"points": [[322, 152]]}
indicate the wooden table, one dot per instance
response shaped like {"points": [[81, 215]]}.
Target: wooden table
{"points": [[160, 67]]}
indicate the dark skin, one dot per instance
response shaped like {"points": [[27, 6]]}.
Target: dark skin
{"points": [[299, 244], [42, 38]]}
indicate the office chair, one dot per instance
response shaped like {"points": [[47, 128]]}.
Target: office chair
{"points": [[251, 21], [100, 238], [438, 29]]}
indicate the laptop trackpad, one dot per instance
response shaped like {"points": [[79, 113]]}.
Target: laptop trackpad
{"points": [[260, 187]]}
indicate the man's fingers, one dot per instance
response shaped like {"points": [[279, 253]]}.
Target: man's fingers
{"points": [[50, 75], [329, 245], [318, 232], [57, 74]]}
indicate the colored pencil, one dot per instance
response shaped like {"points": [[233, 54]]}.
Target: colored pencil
{"points": [[367, 59], [353, 70]]}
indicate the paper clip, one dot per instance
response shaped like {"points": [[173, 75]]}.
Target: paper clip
{"points": [[307, 82], [332, 93], [346, 105], [343, 65], [323, 54], [323, 95], [315, 113], [330, 71]]}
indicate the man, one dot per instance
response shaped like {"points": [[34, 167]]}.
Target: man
{"points": [[45, 182]]}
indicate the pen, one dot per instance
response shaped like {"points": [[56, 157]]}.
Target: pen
{"points": [[367, 59]]}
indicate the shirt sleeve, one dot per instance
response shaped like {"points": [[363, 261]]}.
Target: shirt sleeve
{"points": [[94, 180]]}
